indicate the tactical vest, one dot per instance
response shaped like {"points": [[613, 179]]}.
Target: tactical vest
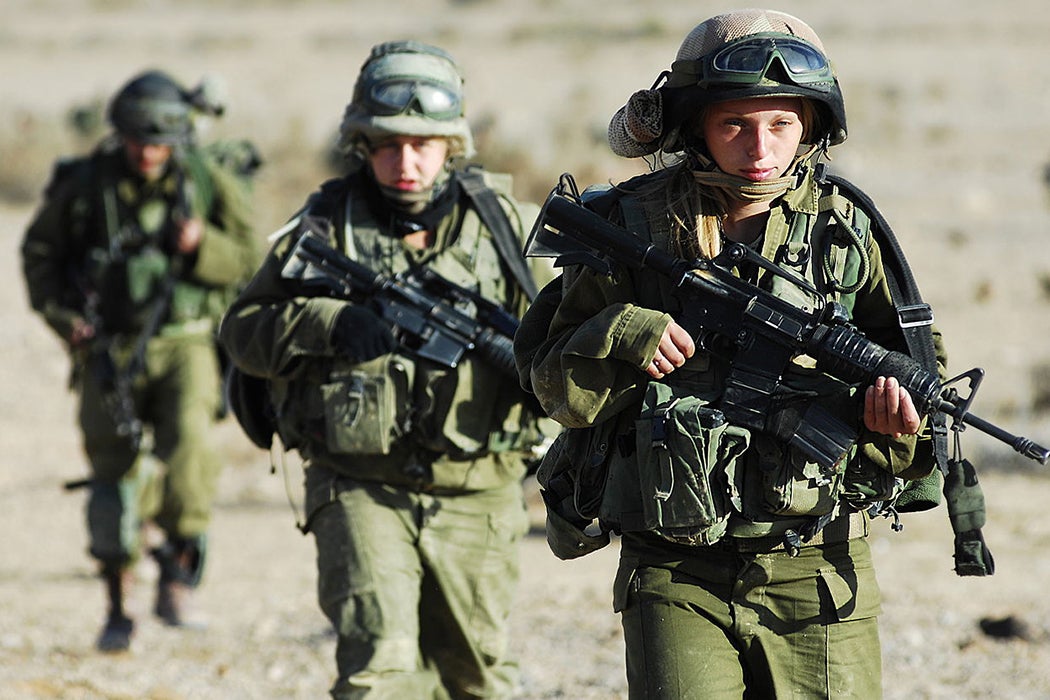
{"points": [[353, 416], [120, 239], [582, 481], [641, 485]]}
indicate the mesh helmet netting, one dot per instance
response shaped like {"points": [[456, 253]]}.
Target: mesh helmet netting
{"points": [[638, 128], [719, 31]]}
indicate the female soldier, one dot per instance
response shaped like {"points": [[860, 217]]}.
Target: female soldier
{"points": [[758, 581], [413, 468]]}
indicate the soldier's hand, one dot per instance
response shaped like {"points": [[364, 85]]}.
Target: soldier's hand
{"points": [[80, 333], [361, 334], [889, 409], [188, 238], [676, 346]]}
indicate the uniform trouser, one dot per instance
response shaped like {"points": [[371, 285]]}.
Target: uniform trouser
{"points": [[418, 586], [719, 624], [173, 483]]}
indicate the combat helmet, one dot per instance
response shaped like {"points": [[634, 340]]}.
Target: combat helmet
{"points": [[407, 88], [152, 108], [745, 53]]}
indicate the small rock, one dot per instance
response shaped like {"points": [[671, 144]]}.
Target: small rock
{"points": [[1009, 627]]}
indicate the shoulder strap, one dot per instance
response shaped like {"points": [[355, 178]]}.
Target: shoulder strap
{"points": [[495, 219], [965, 501], [914, 315], [323, 202], [200, 179]]}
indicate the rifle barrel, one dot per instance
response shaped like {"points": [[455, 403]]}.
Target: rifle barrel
{"points": [[1025, 446]]}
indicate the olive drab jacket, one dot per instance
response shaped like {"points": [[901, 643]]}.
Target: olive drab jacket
{"points": [[369, 420], [102, 239], [585, 343]]}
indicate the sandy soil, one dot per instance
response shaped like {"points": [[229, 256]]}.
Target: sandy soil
{"points": [[945, 105]]}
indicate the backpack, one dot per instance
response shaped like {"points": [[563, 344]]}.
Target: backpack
{"points": [[237, 156]]}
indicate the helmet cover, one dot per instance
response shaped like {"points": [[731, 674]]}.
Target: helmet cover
{"points": [[716, 63], [407, 88], [152, 108]]}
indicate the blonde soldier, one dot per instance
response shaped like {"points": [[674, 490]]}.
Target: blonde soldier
{"points": [[744, 569], [413, 469], [132, 259]]}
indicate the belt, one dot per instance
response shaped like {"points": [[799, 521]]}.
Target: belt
{"points": [[841, 529]]}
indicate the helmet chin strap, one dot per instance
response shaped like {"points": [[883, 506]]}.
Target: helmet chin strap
{"points": [[416, 202], [418, 211], [707, 172]]}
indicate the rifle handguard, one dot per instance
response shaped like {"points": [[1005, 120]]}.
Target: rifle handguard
{"points": [[497, 351], [847, 355]]}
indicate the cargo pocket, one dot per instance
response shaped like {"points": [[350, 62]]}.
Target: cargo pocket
{"points": [[687, 454], [851, 593], [365, 410], [622, 585]]}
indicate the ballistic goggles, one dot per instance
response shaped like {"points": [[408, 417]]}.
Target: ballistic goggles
{"points": [[747, 61], [398, 96]]}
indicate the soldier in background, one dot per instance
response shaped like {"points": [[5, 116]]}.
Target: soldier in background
{"points": [[413, 469], [131, 259]]}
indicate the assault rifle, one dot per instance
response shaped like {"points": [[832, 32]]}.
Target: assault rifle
{"points": [[761, 332], [424, 309], [116, 381]]}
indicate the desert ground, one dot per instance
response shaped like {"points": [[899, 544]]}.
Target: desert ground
{"points": [[946, 105]]}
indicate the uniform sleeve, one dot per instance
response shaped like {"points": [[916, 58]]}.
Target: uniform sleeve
{"points": [[271, 325], [47, 262], [584, 346], [228, 253]]}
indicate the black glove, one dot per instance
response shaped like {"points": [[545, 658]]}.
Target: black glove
{"points": [[361, 334]]}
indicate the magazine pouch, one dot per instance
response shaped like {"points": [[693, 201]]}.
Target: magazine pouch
{"points": [[687, 457]]}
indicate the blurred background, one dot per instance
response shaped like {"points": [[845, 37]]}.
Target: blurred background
{"points": [[946, 103]]}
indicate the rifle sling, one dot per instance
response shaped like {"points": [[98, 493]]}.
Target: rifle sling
{"points": [[914, 313], [495, 219], [972, 557]]}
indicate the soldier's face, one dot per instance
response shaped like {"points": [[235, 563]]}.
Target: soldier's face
{"points": [[147, 159], [408, 163], [756, 138]]}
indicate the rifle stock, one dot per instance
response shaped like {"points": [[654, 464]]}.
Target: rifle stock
{"points": [[763, 330]]}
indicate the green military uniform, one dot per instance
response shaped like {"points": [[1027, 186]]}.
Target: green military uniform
{"points": [[100, 250], [413, 468], [718, 596], [416, 534], [586, 369], [68, 253]]}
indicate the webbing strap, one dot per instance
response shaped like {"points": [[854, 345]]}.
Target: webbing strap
{"points": [[914, 315], [964, 499], [495, 219]]}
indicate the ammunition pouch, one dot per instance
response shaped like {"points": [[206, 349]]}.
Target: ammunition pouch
{"points": [[687, 455], [572, 475], [366, 407], [248, 397]]}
